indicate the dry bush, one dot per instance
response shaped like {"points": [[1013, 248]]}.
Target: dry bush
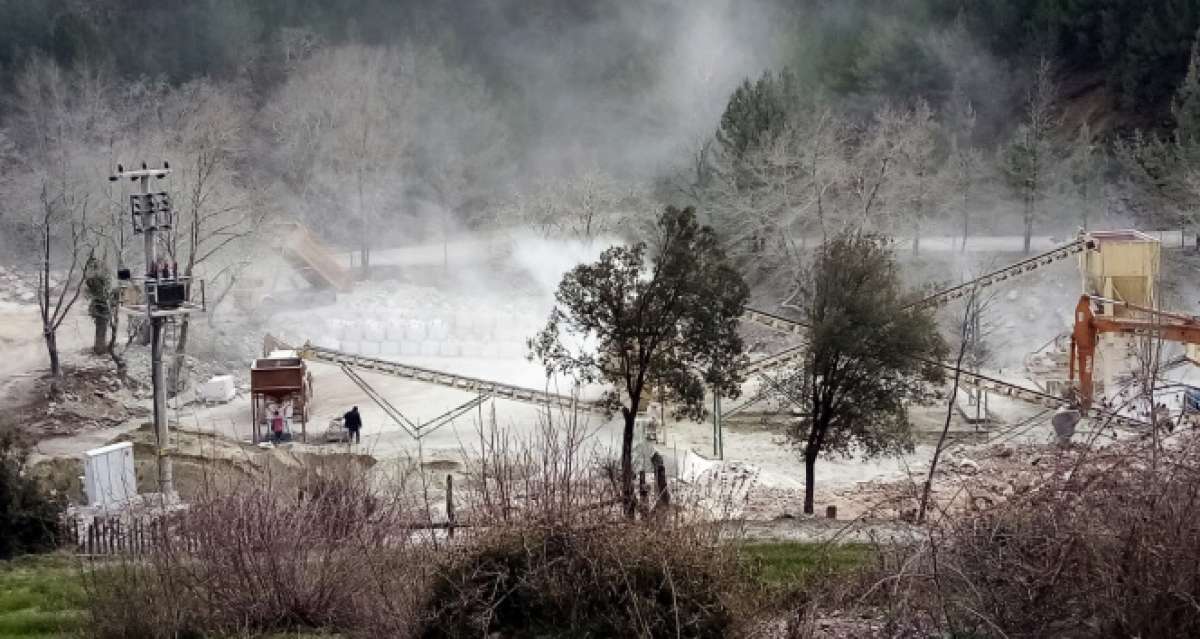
{"points": [[1108, 547], [328, 551], [554, 556], [605, 580], [550, 476], [540, 547]]}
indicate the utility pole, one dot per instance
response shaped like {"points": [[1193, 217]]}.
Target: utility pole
{"points": [[165, 294]]}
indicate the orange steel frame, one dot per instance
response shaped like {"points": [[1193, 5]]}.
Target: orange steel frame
{"points": [[1088, 328]]}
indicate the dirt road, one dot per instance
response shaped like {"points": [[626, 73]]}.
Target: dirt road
{"points": [[23, 352]]}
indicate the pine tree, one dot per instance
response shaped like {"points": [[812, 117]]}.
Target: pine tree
{"points": [[1186, 107]]}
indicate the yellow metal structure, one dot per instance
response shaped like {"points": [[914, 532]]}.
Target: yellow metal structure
{"points": [[1120, 265]]}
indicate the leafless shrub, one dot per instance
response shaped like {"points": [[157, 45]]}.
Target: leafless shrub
{"points": [[1106, 547], [551, 476], [319, 550], [538, 541]]}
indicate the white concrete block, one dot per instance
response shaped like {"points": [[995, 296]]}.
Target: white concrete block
{"points": [[353, 332], [429, 348], [389, 348], [438, 330], [220, 388], [348, 346], [410, 348], [490, 350], [374, 332], [369, 348], [471, 348], [415, 330], [451, 349]]}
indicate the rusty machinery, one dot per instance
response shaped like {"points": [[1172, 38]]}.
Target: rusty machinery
{"points": [[1089, 326]]}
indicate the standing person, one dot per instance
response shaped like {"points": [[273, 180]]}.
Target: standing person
{"points": [[353, 422], [276, 426]]}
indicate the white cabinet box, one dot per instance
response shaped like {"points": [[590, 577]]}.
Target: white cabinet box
{"points": [[108, 475]]}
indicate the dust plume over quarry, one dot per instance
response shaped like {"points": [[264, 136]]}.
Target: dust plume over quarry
{"points": [[805, 275]]}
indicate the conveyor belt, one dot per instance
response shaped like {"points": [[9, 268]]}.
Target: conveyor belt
{"points": [[450, 380], [966, 378], [786, 357], [1036, 397], [776, 322], [940, 298], [410, 427], [1013, 270]]}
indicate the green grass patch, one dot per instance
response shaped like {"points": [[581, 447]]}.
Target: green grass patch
{"points": [[41, 596], [798, 564]]}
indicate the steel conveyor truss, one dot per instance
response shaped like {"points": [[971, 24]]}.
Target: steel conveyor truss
{"points": [[789, 356], [450, 380]]}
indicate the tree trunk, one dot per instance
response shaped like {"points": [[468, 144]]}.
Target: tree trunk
{"points": [[52, 350], [100, 339], [364, 233], [810, 480], [1028, 226], [113, 329], [966, 219], [627, 494], [927, 489]]}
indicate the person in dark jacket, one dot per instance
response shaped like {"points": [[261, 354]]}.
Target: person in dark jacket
{"points": [[353, 423]]}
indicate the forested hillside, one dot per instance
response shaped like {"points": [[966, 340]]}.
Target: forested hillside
{"points": [[776, 119]]}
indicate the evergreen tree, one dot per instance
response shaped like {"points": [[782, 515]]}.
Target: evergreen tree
{"points": [[664, 315], [756, 112], [1186, 107], [866, 350]]}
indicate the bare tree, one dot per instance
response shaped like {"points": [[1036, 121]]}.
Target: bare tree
{"points": [[58, 123], [1028, 157], [964, 161], [777, 193], [583, 207], [202, 128], [971, 352], [918, 191], [872, 169], [342, 125], [60, 227], [461, 156]]}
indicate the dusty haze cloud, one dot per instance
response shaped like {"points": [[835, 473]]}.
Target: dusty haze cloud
{"points": [[678, 61]]}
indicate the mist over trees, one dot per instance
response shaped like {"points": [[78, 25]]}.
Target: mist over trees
{"points": [[380, 124]]}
